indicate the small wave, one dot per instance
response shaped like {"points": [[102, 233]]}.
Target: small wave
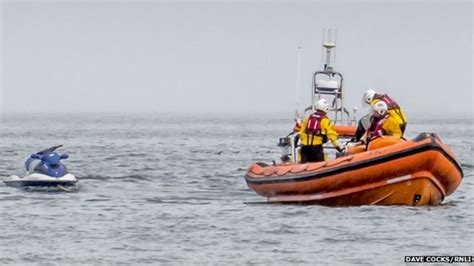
{"points": [[281, 231], [130, 248], [451, 203], [189, 201], [93, 177], [269, 242], [4, 175], [105, 178], [51, 189], [12, 198], [299, 211], [138, 155], [467, 166], [130, 180], [333, 240], [155, 200], [6, 260], [354, 238], [98, 200], [217, 152]]}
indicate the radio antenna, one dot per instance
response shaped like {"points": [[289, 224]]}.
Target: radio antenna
{"points": [[298, 75], [329, 42]]}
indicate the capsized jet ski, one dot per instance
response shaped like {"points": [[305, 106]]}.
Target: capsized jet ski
{"points": [[45, 170]]}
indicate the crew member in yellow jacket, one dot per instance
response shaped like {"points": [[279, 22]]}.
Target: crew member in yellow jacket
{"points": [[315, 131], [372, 97], [397, 115], [383, 123]]}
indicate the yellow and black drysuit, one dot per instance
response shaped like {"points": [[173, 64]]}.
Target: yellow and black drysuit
{"points": [[394, 109], [396, 113], [387, 125], [315, 131]]}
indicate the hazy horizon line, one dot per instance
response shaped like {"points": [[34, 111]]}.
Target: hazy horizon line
{"points": [[418, 114]]}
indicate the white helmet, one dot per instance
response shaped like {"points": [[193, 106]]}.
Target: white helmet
{"points": [[380, 108], [368, 97], [321, 105]]}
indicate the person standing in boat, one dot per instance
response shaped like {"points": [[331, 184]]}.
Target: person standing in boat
{"points": [[383, 123], [370, 98], [315, 130]]}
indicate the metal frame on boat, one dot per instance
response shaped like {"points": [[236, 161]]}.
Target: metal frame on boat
{"points": [[330, 84]]}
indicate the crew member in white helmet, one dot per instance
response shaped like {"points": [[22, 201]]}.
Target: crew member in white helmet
{"points": [[370, 98], [383, 123], [316, 129]]}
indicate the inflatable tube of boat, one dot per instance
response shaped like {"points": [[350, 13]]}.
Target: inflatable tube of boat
{"points": [[345, 131]]}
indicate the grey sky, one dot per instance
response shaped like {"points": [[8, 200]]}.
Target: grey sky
{"points": [[232, 56]]}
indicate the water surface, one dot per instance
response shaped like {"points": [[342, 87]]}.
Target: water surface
{"points": [[170, 188]]}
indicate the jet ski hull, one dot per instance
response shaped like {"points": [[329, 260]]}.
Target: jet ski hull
{"points": [[40, 180]]}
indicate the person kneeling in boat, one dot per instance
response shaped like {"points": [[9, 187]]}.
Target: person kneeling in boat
{"points": [[383, 123], [370, 98], [316, 129]]}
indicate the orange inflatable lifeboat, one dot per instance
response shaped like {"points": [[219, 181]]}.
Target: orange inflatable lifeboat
{"points": [[422, 171], [345, 131]]}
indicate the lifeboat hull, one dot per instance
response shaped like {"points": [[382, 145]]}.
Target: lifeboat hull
{"points": [[422, 171]]}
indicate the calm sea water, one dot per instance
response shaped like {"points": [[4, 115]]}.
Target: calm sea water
{"points": [[167, 189]]}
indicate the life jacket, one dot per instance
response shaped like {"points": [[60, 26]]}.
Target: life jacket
{"points": [[314, 126], [376, 128], [392, 105]]}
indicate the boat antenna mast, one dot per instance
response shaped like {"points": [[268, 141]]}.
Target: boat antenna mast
{"points": [[329, 42], [298, 77], [328, 81]]}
